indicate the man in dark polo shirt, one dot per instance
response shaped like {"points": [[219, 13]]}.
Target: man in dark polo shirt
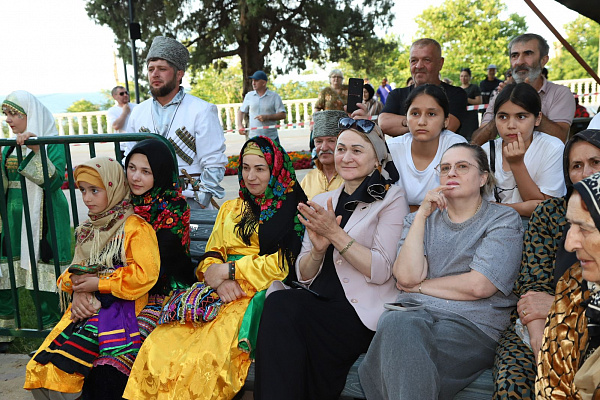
{"points": [[489, 84], [426, 62]]}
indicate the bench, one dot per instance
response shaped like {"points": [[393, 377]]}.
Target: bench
{"points": [[201, 225]]}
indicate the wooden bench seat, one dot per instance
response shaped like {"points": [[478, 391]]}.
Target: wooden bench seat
{"points": [[201, 225]]}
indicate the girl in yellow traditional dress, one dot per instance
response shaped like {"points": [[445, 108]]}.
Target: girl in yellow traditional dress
{"points": [[116, 262], [255, 239]]}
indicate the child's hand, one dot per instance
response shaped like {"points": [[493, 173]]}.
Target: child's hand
{"points": [[82, 306], [515, 152], [87, 283]]}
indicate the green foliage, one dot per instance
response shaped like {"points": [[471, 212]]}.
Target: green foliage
{"points": [[218, 84], [391, 64], [582, 34], [221, 83], [83, 106], [472, 34], [318, 30], [293, 90]]}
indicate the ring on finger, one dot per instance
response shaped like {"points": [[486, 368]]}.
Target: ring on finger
{"points": [[524, 313]]}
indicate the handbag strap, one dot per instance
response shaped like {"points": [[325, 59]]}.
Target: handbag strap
{"points": [[493, 168], [493, 156]]}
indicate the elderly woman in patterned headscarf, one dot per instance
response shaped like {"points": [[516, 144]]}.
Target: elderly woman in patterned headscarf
{"points": [[569, 365], [28, 118], [255, 240], [543, 262], [309, 339]]}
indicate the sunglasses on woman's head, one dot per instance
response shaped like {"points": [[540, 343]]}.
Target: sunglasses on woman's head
{"points": [[362, 125]]}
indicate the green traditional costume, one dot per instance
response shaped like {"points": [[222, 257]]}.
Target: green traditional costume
{"points": [[40, 122]]}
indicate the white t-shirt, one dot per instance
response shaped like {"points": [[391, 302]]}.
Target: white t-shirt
{"points": [[544, 163], [595, 122], [115, 112], [417, 183]]}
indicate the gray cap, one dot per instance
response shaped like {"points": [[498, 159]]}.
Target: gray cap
{"points": [[492, 66], [326, 123], [169, 49]]}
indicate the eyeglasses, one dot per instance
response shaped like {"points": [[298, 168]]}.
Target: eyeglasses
{"points": [[498, 190], [362, 125], [123, 93], [461, 168]]}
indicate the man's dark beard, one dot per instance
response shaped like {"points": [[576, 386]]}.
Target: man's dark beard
{"points": [[165, 89]]}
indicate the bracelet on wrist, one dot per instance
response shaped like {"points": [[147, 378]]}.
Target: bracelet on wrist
{"points": [[345, 249], [421, 286], [232, 270]]}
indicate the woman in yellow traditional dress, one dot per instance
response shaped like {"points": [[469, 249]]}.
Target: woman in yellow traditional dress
{"points": [[255, 239]]}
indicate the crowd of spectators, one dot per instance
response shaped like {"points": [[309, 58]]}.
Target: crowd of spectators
{"points": [[405, 242]]}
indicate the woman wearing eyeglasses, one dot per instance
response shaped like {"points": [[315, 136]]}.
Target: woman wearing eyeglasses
{"points": [[309, 339], [417, 153], [459, 256], [526, 163]]}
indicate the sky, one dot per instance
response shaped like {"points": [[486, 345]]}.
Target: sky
{"points": [[54, 47]]}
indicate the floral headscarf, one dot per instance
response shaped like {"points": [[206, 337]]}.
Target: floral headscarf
{"points": [[274, 212], [163, 206]]}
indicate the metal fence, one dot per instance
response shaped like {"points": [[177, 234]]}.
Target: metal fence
{"points": [[67, 141]]}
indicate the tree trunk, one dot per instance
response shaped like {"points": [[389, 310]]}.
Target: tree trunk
{"points": [[249, 43]]}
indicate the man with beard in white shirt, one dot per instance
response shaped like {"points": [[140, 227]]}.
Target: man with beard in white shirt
{"points": [[189, 123]]}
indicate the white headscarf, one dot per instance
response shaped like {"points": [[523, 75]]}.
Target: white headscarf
{"points": [[40, 121]]}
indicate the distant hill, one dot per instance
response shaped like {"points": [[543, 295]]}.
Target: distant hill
{"points": [[59, 102]]}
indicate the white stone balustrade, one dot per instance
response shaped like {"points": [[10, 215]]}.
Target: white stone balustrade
{"points": [[297, 117], [84, 123], [587, 89]]}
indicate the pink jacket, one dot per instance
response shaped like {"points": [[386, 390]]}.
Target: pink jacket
{"points": [[377, 226]]}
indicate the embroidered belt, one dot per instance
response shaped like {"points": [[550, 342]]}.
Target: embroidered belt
{"points": [[14, 185]]}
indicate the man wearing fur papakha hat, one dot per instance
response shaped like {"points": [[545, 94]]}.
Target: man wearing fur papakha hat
{"points": [[191, 124], [324, 177]]}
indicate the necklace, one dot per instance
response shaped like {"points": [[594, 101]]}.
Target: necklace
{"points": [[166, 133], [476, 211]]}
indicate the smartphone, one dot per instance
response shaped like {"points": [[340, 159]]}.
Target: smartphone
{"points": [[301, 286], [355, 94], [404, 306]]}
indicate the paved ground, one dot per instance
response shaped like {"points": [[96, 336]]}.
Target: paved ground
{"points": [[12, 366]]}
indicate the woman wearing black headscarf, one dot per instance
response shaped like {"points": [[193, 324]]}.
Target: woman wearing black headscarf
{"points": [[544, 261], [569, 365], [374, 106], [156, 197], [254, 242]]}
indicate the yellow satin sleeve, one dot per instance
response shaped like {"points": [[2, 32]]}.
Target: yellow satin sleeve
{"points": [[143, 263], [130, 282], [258, 271]]}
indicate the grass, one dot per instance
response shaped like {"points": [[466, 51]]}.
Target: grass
{"points": [[23, 345]]}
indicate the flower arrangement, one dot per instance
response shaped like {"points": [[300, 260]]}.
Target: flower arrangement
{"points": [[300, 160]]}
